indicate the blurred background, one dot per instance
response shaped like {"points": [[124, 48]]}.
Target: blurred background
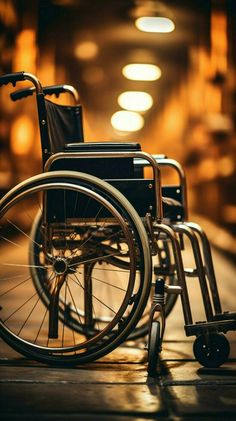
{"points": [[161, 73]]}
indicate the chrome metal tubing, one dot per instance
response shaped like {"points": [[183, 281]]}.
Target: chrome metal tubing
{"points": [[73, 92], [179, 269], [173, 289], [182, 179], [184, 229], [209, 267], [165, 161], [35, 81]]}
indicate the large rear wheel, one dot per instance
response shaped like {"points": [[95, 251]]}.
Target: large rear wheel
{"points": [[54, 305]]}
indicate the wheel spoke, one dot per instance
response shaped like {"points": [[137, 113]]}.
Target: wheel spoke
{"points": [[15, 286], [21, 231], [101, 302], [27, 318], [107, 283], [20, 307], [75, 306], [95, 259]]}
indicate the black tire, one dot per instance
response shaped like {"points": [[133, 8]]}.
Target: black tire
{"points": [[212, 350], [154, 348], [26, 313]]}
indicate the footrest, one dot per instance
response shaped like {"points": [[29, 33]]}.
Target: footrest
{"points": [[201, 328]]}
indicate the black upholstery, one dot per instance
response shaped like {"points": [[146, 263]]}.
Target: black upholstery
{"points": [[102, 147], [64, 125], [112, 168]]}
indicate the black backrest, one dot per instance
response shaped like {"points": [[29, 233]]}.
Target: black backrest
{"points": [[64, 125]]}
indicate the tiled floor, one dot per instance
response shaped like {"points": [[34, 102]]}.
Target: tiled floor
{"points": [[118, 388]]}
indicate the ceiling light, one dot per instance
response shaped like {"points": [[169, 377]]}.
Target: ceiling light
{"points": [[141, 71], [127, 121], [154, 24], [135, 101]]}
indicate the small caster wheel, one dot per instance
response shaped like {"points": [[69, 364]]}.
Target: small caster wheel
{"points": [[154, 347], [211, 350]]}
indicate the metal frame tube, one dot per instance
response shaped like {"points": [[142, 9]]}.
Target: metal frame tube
{"points": [[179, 269], [165, 161], [184, 229], [35, 81], [207, 257]]}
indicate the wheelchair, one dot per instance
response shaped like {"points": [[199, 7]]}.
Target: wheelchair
{"points": [[92, 249]]}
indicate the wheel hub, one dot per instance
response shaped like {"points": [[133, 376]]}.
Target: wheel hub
{"points": [[60, 266]]}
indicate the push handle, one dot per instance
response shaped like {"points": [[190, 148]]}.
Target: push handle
{"points": [[47, 90], [22, 93], [20, 76], [55, 90], [12, 78]]}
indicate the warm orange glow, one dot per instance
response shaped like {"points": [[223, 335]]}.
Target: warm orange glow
{"points": [[86, 50], [46, 70], [25, 53], [7, 13], [229, 212], [93, 75], [213, 98], [218, 42], [226, 167], [207, 169], [22, 135]]}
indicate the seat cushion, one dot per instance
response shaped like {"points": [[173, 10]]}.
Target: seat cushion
{"points": [[121, 167], [102, 147]]}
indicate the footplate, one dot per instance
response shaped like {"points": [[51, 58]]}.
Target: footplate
{"points": [[227, 315], [200, 328]]}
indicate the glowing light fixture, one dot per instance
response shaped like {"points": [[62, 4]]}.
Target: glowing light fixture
{"points": [[127, 121], [154, 24], [141, 71], [135, 101]]}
